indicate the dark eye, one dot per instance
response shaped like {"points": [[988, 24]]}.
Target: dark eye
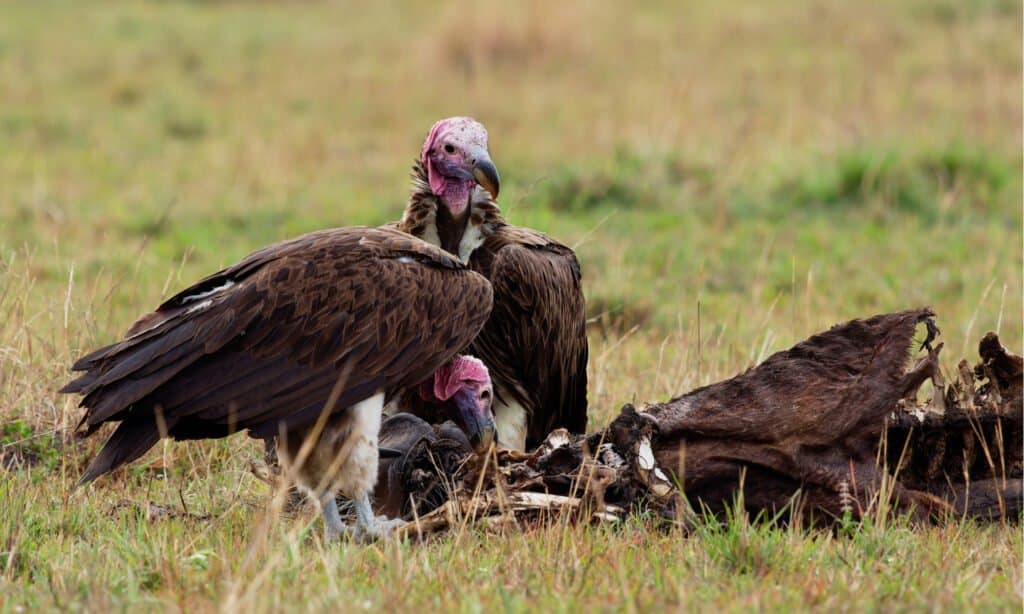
{"points": [[449, 148], [486, 394]]}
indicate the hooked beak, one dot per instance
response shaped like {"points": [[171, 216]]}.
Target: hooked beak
{"points": [[486, 174], [476, 418]]}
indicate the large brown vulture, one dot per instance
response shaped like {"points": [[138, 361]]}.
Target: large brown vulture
{"points": [[535, 342], [304, 339]]}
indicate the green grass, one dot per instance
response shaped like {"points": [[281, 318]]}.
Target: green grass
{"points": [[107, 554], [734, 178]]}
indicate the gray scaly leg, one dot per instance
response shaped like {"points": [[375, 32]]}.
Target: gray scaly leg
{"points": [[370, 527], [332, 518]]}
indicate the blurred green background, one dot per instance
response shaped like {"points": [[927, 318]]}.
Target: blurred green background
{"points": [[787, 165]]}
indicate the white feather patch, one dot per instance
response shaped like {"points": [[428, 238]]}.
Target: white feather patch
{"points": [[200, 296], [510, 420], [430, 230], [359, 471], [199, 306], [471, 239]]}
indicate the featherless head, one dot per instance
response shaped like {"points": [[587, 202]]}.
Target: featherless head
{"points": [[460, 372], [461, 132], [455, 154], [465, 383]]}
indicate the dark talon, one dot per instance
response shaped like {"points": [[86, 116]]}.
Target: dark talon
{"points": [[933, 331]]}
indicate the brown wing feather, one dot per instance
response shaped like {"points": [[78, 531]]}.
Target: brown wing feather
{"points": [[377, 307], [535, 342]]}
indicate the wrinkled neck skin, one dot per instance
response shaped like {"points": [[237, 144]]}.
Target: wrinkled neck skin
{"points": [[457, 230], [453, 192]]}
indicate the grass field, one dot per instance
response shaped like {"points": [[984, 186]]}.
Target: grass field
{"points": [[734, 176]]}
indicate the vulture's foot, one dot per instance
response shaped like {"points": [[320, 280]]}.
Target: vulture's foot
{"points": [[381, 527], [370, 528]]}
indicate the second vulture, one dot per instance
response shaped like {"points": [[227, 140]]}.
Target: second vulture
{"points": [[534, 343]]}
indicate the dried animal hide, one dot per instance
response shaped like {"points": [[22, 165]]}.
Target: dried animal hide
{"points": [[817, 419]]}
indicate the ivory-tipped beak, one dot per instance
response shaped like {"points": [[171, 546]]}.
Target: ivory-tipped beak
{"points": [[483, 439], [476, 419], [486, 174]]}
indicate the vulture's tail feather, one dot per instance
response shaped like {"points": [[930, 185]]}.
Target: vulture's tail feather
{"points": [[130, 441], [78, 384], [132, 369]]}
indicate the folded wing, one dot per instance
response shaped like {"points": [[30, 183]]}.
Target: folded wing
{"points": [[262, 344]]}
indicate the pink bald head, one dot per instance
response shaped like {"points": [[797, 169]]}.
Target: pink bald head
{"points": [[463, 132], [455, 154], [461, 390], [460, 372]]}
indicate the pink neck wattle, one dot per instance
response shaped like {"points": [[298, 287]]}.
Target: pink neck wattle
{"points": [[452, 191]]}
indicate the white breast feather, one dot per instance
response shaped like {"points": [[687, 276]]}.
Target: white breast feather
{"points": [[510, 421], [471, 239]]}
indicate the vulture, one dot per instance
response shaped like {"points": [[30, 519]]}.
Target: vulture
{"points": [[304, 340], [534, 343]]}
